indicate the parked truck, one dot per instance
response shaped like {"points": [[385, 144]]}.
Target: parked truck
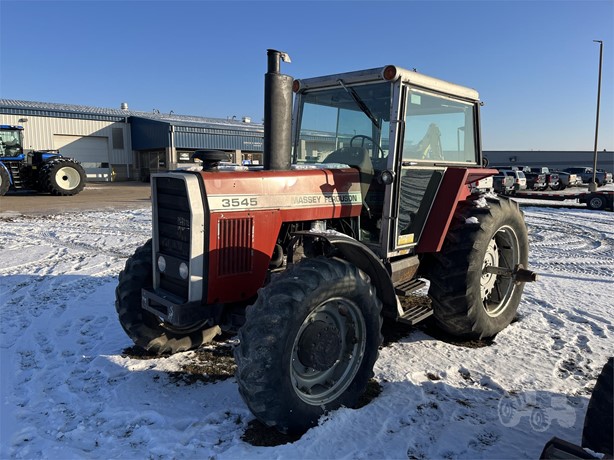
{"points": [[535, 180], [350, 214], [44, 171], [586, 175]]}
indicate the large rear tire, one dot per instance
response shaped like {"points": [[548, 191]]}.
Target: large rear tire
{"points": [[62, 177], [147, 330], [598, 424], [5, 181], [309, 344], [467, 301]]}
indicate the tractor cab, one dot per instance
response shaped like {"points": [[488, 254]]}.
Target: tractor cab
{"points": [[11, 141], [402, 130]]}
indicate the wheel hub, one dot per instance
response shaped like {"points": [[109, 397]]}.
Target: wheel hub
{"points": [[491, 259], [328, 351], [319, 346], [68, 178]]}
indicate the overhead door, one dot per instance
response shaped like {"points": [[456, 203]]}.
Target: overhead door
{"points": [[91, 151]]}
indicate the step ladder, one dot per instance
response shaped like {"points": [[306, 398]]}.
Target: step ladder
{"points": [[16, 175], [413, 314]]}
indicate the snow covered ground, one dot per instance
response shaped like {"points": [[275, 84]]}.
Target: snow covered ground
{"points": [[68, 389]]}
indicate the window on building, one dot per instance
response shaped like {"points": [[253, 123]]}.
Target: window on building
{"points": [[118, 138]]}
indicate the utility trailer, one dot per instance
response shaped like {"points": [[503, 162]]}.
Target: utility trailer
{"points": [[596, 201]]}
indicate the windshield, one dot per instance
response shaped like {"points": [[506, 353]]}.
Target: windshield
{"points": [[345, 116], [10, 142]]}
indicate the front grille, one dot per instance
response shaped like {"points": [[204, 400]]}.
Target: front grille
{"points": [[174, 229], [235, 246]]}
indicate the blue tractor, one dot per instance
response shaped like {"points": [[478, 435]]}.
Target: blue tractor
{"points": [[44, 171]]}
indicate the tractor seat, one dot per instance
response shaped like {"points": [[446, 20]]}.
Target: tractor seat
{"points": [[356, 157]]}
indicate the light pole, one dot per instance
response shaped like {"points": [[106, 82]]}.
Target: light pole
{"points": [[592, 187]]}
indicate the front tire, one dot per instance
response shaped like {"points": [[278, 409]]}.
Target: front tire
{"points": [[309, 344], [62, 177], [147, 330], [468, 301], [5, 181]]}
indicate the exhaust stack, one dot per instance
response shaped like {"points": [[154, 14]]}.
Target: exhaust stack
{"points": [[277, 113]]}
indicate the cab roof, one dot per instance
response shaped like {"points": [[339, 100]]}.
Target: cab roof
{"points": [[393, 73]]}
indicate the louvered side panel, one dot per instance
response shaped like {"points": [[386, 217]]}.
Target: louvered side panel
{"points": [[235, 249]]}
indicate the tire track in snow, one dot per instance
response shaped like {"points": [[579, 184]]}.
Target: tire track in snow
{"points": [[565, 247], [585, 251]]}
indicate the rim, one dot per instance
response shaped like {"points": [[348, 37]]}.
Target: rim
{"points": [[68, 178], [328, 351], [596, 202], [503, 252]]}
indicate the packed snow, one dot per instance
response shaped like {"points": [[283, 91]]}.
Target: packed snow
{"points": [[69, 388]]}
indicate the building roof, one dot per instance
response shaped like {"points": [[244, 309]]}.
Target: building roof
{"points": [[82, 111]]}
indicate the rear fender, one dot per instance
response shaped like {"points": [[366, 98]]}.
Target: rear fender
{"points": [[356, 253], [452, 190]]}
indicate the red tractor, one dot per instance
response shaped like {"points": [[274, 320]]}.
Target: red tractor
{"points": [[359, 201]]}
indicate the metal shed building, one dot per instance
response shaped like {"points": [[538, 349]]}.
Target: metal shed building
{"points": [[551, 159], [98, 138], [167, 142], [121, 144]]}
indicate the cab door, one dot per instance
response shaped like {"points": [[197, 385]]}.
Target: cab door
{"points": [[438, 132], [418, 186]]}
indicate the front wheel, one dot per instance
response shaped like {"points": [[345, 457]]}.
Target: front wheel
{"points": [[62, 177], [147, 330], [470, 299], [309, 344], [5, 181]]}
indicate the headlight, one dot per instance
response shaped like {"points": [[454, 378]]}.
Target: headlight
{"points": [[183, 270], [161, 263]]}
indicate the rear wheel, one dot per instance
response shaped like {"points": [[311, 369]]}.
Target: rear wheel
{"points": [[596, 202], [309, 344], [5, 181], [144, 328], [62, 176], [469, 300]]}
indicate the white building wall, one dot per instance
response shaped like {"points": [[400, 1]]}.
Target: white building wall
{"points": [[39, 133]]}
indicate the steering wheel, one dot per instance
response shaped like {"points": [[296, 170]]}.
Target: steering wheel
{"points": [[364, 139]]}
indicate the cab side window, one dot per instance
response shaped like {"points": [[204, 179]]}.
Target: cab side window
{"points": [[438, 129]]}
